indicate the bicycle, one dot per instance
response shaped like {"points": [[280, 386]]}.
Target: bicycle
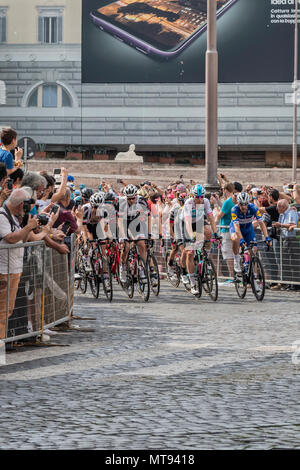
{"points": [[252, 273], [152, 268], [137, 273], [205, 272], [173, 277], [101, 271], [80, 267]]}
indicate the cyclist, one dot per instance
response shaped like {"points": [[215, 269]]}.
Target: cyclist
{"points": [[177, 235], [196, 209], [133, 224], [241, 228]]}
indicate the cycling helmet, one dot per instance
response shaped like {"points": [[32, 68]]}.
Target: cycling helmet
{"points": [[82, 186], [182, 197], [198, 190], [243, 198], [96, 199], [109, 197], [77, 192], [70, 178], [71, 186], [87, 193], [130, 190]]}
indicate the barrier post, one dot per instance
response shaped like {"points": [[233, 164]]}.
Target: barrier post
{"points": [[7, 292]]}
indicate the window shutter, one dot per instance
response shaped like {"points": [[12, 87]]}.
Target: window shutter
{"points": [[59, 26], [40, 29], [3, 29]]}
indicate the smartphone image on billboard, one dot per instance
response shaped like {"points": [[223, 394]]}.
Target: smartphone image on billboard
{"points": [[161, 28]]}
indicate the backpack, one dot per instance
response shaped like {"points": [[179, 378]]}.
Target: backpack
{"points": [[9, 217]]}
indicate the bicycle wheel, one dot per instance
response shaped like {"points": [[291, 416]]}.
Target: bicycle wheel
{"points": [[154, 277], [83, 276], [257, 278], [173, 278], [94, 275], [199, 284], [106, 279], [128, 286], [143, 284], [210, 279]]}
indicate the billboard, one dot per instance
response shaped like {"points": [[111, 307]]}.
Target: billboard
{"points": [[164, 41]]}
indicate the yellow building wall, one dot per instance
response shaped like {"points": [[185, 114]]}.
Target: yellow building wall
{"points": [[22, 20]]}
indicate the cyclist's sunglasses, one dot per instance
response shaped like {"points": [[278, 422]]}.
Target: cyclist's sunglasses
{"points": [[243, 204], [199, 197], [131, 198]]}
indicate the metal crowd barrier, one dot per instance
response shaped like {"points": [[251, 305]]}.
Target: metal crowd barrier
{"points": [[281, 262], [44, 294]]}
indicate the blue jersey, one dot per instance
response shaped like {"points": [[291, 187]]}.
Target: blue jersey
{"points": [[245, 220]]}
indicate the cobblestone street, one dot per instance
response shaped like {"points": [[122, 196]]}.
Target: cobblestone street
{"points": [[174, 373]]}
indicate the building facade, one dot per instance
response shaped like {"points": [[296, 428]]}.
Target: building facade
{"points": [[40, 57]]}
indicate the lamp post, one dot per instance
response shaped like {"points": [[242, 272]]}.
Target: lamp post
{"points": [[295, 85], [211, 98]]}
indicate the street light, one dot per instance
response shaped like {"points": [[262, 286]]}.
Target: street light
{"points": [[211, 98], [295, 85]]}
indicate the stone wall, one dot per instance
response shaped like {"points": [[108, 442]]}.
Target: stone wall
{"points": [[93, 172]]}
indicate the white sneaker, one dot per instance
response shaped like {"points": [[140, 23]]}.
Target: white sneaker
{"points": [[49, 332], [237, 265], [194, 290], [256, 286], [184, 278], [123, 274]]}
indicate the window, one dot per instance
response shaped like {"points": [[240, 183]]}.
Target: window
{"points": [[3, 11], [50, 25], [50, 95]]}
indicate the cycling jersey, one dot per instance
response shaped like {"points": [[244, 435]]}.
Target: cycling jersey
{"points": [[177, 220], [198, 213], [245, 221], [107, 213], [134, 217]]}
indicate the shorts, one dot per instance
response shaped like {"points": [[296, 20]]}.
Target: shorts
{"points": [[226, 246], [247, 234]]}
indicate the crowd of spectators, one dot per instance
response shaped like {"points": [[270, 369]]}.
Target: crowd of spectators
{"points": [[34, 207]]}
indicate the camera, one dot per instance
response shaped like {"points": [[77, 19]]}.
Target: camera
{"points": [[54, 209], [42, 219], [27, 205], [10, 184]]}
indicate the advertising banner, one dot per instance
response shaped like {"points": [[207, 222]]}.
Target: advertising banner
{"points": [[164, 41]]}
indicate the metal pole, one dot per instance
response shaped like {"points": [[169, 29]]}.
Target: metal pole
{"points": [[211, 97], [294, 177]]}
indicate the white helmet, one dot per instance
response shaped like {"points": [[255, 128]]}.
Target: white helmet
{"points": [[130, 190], [97, 199], [243, 198]]}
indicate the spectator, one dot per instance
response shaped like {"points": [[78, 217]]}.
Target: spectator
{"points": [[12, 233], [35, 181], [66, 215], [17, 177], [288, 220], [9, 142], [224, 218], [4, 191]]}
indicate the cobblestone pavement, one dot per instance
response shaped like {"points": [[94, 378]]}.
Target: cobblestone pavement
{"points": [[174, 373]]}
